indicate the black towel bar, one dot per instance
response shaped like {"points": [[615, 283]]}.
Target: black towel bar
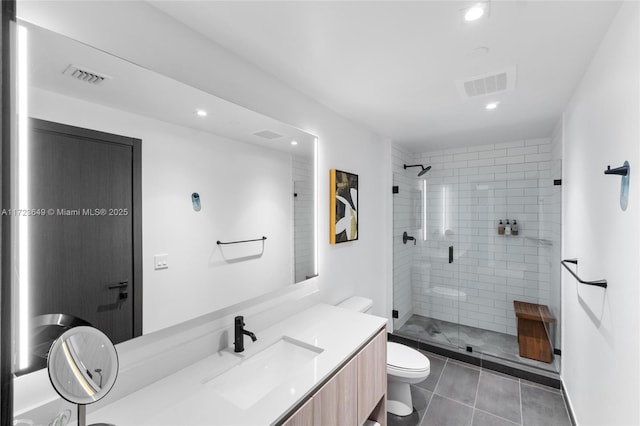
{"points": [[598, 283], [243, 241]]}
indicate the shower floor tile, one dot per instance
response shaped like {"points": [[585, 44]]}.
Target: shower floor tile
{"points": [[486, 342]]}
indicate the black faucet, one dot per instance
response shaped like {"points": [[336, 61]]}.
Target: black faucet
{"points": [[239, 334]]}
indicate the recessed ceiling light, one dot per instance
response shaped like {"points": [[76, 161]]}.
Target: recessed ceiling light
{"points": [[475, 12], [201, 113], [294, 143], [491, 105]]}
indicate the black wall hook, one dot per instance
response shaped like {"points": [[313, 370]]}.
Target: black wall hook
{"points": [[622, 170]]}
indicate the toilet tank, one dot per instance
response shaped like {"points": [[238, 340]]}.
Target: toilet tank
{"points": [[357, 303]]}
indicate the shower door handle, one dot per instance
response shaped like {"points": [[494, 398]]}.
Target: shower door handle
{"points": [[450, 254]]}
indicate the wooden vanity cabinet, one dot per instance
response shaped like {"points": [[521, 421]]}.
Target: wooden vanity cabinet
{"points": [[335, 402], [372, 380], [357, 392], [303, 416]]}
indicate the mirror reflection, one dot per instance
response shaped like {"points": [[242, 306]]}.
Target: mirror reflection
{"points": [[83, 365], [132, 179]]}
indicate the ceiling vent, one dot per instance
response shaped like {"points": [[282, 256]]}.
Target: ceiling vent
{"points": [[488, 84], [85, 75], [267, 134]]}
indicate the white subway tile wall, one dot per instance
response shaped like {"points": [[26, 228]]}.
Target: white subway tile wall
{"points": [[468, 191], [303, 218]]}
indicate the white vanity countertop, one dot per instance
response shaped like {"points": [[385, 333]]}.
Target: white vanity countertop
{"points": [[183, 399]]}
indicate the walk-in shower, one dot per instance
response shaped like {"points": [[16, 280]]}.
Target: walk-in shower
{"points": [[456, 274]]}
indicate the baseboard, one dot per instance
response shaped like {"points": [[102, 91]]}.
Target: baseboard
{"points": [[568, 404]]}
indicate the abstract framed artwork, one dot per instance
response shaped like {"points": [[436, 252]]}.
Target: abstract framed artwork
{"points": [[343, 225]]}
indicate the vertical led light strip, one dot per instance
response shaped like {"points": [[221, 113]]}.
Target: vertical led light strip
{"points": [[424, 209], [23, 203], [315, 205]]}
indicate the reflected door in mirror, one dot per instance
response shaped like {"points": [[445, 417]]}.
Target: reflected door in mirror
{"points": [[81, 246]]}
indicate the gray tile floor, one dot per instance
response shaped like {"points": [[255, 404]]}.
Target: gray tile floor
{"points": [[488, 342], [456, 393]]}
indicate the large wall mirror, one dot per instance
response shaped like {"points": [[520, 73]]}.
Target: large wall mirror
{"points": [[151, 202]]}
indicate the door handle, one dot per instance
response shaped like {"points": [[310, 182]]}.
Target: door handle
{"points": [[450, 254], [120, 285]]}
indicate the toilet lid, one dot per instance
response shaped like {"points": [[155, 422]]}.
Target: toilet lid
{"points": [[406, 358]]}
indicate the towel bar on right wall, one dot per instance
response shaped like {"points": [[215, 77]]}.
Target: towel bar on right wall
{"points": [[598, 283]]}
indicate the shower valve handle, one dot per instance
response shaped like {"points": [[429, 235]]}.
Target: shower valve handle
{"points": [[406, 237]]}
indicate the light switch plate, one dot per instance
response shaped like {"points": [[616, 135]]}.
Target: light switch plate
{"points": [[160, 261]]}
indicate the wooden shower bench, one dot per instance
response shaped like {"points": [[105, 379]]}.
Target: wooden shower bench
{"points": [[532, 335]]}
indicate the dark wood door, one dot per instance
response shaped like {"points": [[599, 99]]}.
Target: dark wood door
{"points": [[82, 250]]}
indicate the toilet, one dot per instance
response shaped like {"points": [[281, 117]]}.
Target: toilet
{"points": [[405, 365]]}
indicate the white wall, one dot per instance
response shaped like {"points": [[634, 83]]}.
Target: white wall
{"points": [[166, 46], [601, 350], [176, 162]]}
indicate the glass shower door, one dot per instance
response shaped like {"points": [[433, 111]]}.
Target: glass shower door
{"points": [[405, 196], [426, 274], [439, 256]]}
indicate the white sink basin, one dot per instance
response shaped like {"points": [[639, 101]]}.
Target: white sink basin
{"points": [[252, 379]]}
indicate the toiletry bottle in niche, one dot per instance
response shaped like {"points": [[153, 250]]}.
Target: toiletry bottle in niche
{"points": [[501, 228], [514, 228], [507, 228]]}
